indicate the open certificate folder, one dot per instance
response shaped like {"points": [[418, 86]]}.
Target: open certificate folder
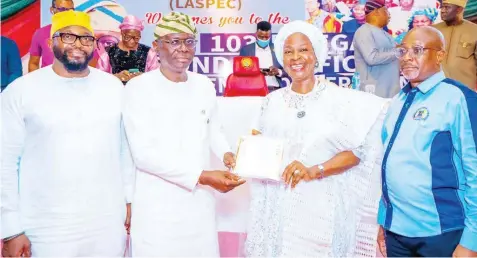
{"points": [[259, 157]]}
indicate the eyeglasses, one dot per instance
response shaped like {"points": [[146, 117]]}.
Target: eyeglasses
{"points": [[107, 41], [63, 9], [175, 43], [69, 38], [128, 38], [416, 51]]}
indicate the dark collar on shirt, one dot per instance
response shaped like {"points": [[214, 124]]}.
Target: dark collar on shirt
{"points": [[428, 84]]}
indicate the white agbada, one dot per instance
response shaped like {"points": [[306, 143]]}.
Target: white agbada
{"points": [[335, 216], [67, 172], [171, 128]]}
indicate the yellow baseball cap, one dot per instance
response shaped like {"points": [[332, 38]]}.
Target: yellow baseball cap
{"points": [[70, 18]]}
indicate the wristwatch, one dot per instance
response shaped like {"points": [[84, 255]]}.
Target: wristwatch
{"points": [[322, 171]]}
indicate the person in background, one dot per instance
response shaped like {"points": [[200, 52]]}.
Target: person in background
{"points": [[11, 62], [419, 18], [329, 6], [106, 16], [461, 37], [129, 58], [359, 15], [171, 121], [374, 55], [264, 50], [67, 173], [39, 49], [400, 15], [429, 169], [389, 3], [350, 3], [322, 19]]}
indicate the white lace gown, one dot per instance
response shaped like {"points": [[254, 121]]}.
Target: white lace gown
{"points": [[334, 216]]}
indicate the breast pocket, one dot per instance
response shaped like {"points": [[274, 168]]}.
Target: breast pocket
{"points": [[465, 47], [202, 121]]}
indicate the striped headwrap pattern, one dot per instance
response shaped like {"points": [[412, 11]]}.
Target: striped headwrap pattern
{"points": [[175, 22], [372, 5]]}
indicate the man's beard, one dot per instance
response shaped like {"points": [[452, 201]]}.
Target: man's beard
{"points": [[410, 75], [70, 65]]}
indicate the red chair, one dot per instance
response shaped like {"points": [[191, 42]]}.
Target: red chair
{"points": [[246, 79]]}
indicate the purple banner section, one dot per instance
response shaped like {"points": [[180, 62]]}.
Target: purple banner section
{"points": [[224, 43]]}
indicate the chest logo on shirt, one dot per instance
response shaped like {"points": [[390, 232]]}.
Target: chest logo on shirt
{"points": [[421, 114]]}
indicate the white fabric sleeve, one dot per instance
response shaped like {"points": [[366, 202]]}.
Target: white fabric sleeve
{"points": [[358, 114], [149, 154], [13, 138], [127, 166], [218, 142], [371, 139]]}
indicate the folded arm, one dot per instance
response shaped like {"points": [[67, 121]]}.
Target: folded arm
{"points": [[373, 55]]}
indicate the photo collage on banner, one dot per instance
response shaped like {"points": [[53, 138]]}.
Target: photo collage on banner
{"points": [[227, 25]]}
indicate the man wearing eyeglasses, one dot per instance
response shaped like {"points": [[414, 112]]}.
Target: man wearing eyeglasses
{"points": [[39, 49], [67, 172], [429, 170], [170, 117]]}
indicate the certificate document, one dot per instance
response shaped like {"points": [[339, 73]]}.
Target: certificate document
{"points": [[259, 157]]}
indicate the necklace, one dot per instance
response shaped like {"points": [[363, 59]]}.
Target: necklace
{"points": [[299, 101]]}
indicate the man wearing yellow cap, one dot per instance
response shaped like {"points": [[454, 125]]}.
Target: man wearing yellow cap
{"points": [[170, 117], [40, 52], [461, 37], [66, 171]]}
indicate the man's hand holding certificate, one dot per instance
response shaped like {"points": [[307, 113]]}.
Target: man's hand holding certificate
{"points": [[259, 157]]}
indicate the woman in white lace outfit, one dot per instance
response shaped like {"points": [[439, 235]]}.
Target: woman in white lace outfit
{"points": [[327, 202]]}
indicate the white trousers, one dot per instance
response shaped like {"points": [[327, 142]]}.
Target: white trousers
{"points": [[109, 243]]}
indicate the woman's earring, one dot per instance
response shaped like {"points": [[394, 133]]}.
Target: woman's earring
{"points": [[317, 65]]}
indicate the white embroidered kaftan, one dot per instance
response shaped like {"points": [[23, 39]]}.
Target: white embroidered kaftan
{"points": [[334, 216], [66, 168], [171, 128]]}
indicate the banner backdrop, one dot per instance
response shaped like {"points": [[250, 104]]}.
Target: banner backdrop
{"points": [[227, 25]]}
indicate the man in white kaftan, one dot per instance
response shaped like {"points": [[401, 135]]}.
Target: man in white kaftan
{"points": [[334, 213], [171, 123], [67, 172]]}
